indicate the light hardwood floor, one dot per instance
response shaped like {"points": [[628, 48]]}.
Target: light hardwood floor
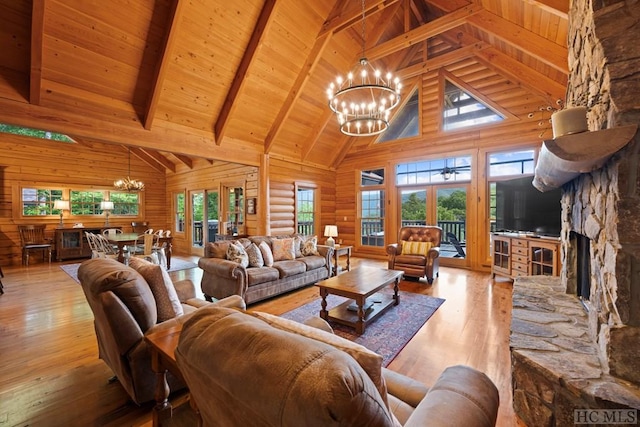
{"points": [[50, 374]]}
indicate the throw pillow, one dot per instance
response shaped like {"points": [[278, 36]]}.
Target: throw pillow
{"points": [[370, 361], [310, 246], [236, 253], [299, 241], [267, 255], [255, 256], [415, 248], [283, 249], [167, 302]]}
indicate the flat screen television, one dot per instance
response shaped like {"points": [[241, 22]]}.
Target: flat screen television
{"points": [[520, 207]]}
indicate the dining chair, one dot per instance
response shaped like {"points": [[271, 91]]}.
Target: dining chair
{"points": [[1, 285], [144, 248], [105, 248], [33, 240], [139, 227]]}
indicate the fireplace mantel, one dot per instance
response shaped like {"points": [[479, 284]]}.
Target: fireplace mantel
{"points": [[563, 159]]}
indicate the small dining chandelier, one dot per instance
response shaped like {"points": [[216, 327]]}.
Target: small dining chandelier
{"points": [[364, 99], [128, 184]]}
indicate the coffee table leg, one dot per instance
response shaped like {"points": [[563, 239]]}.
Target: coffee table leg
{"points": [[396, 296], [360, 323], [323, 311]]}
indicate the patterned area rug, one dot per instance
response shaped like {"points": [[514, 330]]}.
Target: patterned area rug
{"points": [[390, 332], [176, 265]]}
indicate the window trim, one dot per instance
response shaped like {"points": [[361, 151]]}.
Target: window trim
{"points": [[306, 186]]}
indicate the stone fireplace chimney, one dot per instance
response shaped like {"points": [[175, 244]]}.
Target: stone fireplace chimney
{"points": [[604, 62], [563, 359]]}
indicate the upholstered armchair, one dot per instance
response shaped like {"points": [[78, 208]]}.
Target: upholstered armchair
{"points": [[417, 251], [129, 302], [257, 369]]}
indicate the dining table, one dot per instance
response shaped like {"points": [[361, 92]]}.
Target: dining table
{"points": [[126, 239]]}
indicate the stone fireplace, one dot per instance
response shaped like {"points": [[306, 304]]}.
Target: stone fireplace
{"points": [[569, 352]]}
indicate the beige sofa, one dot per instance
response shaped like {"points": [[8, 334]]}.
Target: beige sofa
{"points": [[128, 303], [223, 277], [256, 369]]}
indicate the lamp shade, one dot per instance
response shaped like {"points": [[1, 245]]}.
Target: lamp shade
{"points": [[330, 231], [61, 205], [106, 205]]}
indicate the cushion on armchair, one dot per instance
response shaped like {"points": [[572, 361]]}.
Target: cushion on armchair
{"points": [[167, 301], [410, 247]]}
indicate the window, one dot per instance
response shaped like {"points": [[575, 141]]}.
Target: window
{"points": [[39, 201], [372, 207], [305, 210], [34, 133], [406, 122], [86, 202], [453, 169], [511, 163], [125, 203], [463, 110], [179, 212]]}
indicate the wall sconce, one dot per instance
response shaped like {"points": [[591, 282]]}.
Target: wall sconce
{"points": [[330, 231], [107, 207], [61, 205]]}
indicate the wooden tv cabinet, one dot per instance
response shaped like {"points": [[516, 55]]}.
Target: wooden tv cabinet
{"points": [[517, 254]]}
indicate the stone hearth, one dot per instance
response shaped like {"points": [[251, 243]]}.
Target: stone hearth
{"points": [[556, 368]]}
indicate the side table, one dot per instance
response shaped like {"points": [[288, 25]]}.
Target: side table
{"points": [[338, 251]]}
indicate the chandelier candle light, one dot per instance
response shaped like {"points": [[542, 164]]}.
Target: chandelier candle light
{"points": [[128, 184], [363, 100]]}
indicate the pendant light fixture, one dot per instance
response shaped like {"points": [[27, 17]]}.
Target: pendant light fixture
{"points": [[363, 100], [128, 184]]}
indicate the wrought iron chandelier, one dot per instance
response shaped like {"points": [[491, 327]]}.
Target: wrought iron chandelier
{"points": [[363, 100], [128, 184]]}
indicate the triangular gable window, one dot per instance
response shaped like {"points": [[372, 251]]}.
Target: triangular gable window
{"points": [[406, 122], [34, 133], [463, 110]]}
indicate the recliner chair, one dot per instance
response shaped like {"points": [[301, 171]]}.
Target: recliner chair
{"points": [[125, 308], [414, 259]]}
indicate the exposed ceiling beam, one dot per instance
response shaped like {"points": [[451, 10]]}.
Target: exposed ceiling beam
{"points": [[557, 7], [303, 76], [168, 164], [317, 131], [175, 16], [433, 28], [239, 80], [37, 40], [142, 155], [188, 161], [342, 20], [440, 61], [542, 49]]}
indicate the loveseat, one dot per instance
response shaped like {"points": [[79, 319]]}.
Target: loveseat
{"points": [[129, 302], [273, 265], [251, 368]]}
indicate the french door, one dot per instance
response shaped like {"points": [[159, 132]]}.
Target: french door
{"points": [[444, 205], [203, 219]]}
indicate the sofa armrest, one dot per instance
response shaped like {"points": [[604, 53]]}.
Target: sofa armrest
{"points": [[221, 267], [434, 252], [404, 388], [185, 290], [392, 249], [461, 396], [327, 253], [234, 301]]}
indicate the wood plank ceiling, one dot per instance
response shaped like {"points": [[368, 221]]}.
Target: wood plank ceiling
{"points": [[178, 79]]}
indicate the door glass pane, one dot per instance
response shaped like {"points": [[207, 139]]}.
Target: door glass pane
{"points": [[414, 207], [197, 209], [372, 217], [212, 215], [452, 216]]}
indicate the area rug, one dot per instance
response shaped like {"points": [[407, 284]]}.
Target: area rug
{"points": [[176, 265], [390, 332]]}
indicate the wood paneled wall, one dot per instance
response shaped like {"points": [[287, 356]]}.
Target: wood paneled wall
{"points": [[58, 165]]}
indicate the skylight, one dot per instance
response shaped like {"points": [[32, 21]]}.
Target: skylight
{"points": [[463, 110]]}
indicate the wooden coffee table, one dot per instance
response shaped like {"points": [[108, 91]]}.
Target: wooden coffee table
{"points": [[361, 285]]}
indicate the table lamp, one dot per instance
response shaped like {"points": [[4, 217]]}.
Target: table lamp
{"points": [[107, 207], [330, 231], [61, 205]]}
